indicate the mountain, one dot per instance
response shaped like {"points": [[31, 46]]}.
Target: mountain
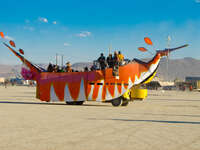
{"points": [[81, 65], [10, 71], [178, 68], [168, 70]]}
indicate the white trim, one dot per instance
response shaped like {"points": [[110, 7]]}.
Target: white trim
{"points": [[53, 96], [67, 96]]}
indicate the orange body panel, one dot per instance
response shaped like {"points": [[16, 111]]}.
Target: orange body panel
{"points": [[96, 85]]}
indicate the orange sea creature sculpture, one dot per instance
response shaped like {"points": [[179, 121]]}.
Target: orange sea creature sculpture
{"points": [[98, 85]]}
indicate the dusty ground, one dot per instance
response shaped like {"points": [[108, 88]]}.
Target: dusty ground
{"points": [[167, 121]]}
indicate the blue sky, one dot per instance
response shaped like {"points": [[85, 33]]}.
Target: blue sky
{"points": [[82, 29]]}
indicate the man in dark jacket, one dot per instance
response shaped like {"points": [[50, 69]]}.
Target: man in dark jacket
{"points": [[115, 64], [102, 61], [110, 61]]}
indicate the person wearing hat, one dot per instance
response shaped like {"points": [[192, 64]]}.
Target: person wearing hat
{"points": [[110, 61], [115, 59], [115, 64], [50, 68], [68, 67]]}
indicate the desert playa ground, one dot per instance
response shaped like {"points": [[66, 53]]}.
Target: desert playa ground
{"points": [[165, 120]]}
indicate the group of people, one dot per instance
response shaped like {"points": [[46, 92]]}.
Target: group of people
{"points": [[56, 68], [111, 61]]}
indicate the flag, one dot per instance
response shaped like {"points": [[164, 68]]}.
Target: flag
{"points": [[12, 43], [142, 49], [1, 34], [21, 51], [148, 41]]}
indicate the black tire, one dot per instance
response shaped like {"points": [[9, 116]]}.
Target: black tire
{"points": [[75, 103], [125, 102], [116, 102], [79, 103], [70, 103]]}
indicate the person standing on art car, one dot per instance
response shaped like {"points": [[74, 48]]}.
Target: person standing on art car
{"points": [[50, 68], [120, 58], [110, 61], [55, 68], [115, 59], [94, 66], [115, 64], [86, 69], [102, 61], [68, 67]]}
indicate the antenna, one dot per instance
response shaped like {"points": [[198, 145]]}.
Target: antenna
{"points": [[168, 41], [168, 46], [62, 60], [56, 59], [110, 48]]}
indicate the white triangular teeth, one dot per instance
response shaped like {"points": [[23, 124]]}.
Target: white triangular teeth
{"points": [[53, 96], [116, 92], [67, 96], [91, 92], [108, 95], [123, 89], [99, 97], [130, 83], [145, 75], [82, 96]]}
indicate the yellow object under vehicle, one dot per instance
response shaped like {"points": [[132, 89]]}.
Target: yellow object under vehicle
{"points": [[137, 93]]}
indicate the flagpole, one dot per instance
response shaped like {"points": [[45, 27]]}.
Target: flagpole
{"points": [[62, 60], [168, 46], [56, 59], [110, 48]]}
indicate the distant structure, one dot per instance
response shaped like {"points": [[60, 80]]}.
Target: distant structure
{"points": [[2, 80], [194, 81]]}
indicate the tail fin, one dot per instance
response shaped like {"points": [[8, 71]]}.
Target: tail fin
{"points": [[33, 68]]}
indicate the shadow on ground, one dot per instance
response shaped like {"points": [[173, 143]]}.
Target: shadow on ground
{"points": [[47, 103], [154, 121], [162, 99], [168, 115]]}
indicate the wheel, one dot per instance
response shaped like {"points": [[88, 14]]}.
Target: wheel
{"points": [[75, 103], [116, 102], [125, 102], [79, 103], [70, 103]]}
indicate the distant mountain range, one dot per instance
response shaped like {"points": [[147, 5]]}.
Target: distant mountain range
{"points": [[168, 70], [178, 68]]}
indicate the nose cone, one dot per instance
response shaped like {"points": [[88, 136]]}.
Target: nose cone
{"points": [[163, 53], [166, 51]]}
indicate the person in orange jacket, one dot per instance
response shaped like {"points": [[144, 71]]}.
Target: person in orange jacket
{"points": [[68, 67]]}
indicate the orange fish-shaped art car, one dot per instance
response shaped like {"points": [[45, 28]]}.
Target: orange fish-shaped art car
{"points": [[99, 85]]}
